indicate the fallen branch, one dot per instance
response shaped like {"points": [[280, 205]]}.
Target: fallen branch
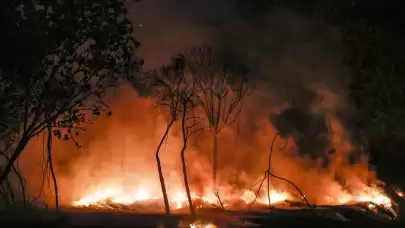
{"points": [[221, 206], [296, 187], [268, 174], [216, 193]]}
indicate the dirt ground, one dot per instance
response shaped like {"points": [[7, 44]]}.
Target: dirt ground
{"points": [[87, 218]]}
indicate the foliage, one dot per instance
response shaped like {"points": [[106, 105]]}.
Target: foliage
{"points": [[58, 59]]}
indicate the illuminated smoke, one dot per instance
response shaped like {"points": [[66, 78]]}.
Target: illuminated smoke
{"points": [[300, 87]]}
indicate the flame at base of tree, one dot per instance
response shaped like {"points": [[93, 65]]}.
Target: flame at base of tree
{"points": [[116, 168], [115, 198]]}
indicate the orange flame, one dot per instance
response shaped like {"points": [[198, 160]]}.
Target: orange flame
{"points": [[119, 153]]}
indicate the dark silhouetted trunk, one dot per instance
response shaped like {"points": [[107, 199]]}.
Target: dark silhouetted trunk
{"points": [[161, 178], [10, 191], [183, 160], [55, 183], [214, 158], [17, 152]]}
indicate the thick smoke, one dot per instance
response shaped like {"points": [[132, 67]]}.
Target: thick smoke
{"points": [[300, 87]]}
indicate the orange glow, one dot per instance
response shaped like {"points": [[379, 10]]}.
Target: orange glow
{"points": [[116, 164], [199, 224], [178, 199], [371, 195]]}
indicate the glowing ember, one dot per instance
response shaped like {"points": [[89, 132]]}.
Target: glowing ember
{"points": [[275, 197], [118, 196], [399, 192], [178, 200], [199, 224], [369, 195]]}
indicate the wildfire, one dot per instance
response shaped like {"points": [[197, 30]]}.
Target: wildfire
{"points": [[199, 224], [114, 195], [275, 197], [178, 200], [121, 156], [372, 195]]}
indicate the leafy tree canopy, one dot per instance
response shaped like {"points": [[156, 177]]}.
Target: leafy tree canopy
{"points": [[57, 60]]}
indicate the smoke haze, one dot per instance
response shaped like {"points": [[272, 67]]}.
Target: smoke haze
{"points": [[295, 63]]}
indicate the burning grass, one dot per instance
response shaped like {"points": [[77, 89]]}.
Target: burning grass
{"points": [[141, 200], [116, 168]]}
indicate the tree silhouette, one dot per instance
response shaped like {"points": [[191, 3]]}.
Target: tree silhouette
{"points": [[221, 84], [167, 87], [190, 124], [58, 58], [176, 95]]}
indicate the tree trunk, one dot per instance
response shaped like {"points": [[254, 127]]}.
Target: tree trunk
{"points": [[20, 180], [17, 152], [214, 158], [269, 170], [161, 178], [10, 191], [55, 184], [183, 160]]}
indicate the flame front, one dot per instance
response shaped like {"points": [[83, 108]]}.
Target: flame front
{"points": [[178, 200], [117, 166]]}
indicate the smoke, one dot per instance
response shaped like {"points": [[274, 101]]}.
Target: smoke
{"points": [[300, 89]]}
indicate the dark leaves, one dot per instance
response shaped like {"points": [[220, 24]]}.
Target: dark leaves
{"points": [[96, 112], [58, 61], [57, 134]]}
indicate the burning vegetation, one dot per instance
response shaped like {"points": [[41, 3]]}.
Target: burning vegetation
{"points": [[198, 115], [205, 131], [117, 168]]}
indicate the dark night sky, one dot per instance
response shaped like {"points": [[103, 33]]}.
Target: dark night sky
{"points": [[172, 25], [287, 52], [293, 60]]}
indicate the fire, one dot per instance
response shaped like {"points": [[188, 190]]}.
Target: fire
{"points": [[199, 224], [275, 197], [114, 195], [371, 195], [178, 200], [117, 166]]}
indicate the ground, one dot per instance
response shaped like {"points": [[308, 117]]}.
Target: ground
{"points": [[277, 218]]}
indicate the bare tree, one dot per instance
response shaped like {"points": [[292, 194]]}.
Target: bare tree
{"points": [[189, 125], [168, 86], [222, 85], [176, 93]]}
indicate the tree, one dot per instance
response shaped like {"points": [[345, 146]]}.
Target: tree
{"points": [[221, 84], [176, 95], [168, 86], [58, 60], [189, 126]]}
